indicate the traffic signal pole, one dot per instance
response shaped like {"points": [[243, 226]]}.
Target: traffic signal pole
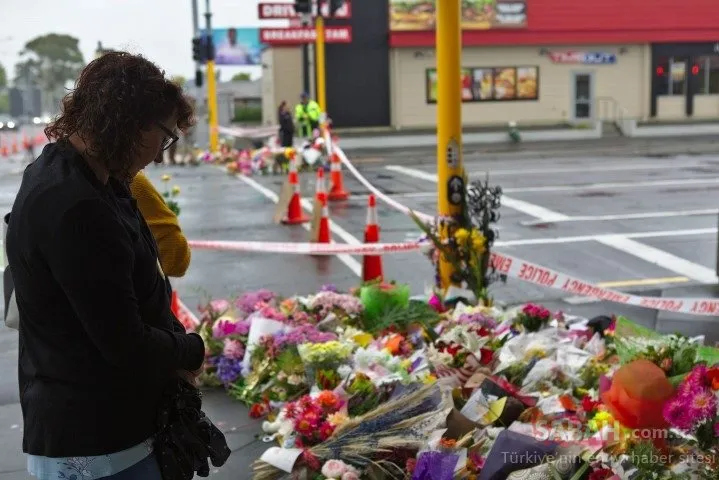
{"points": [[449, 119], [320, 61], [211, 83]]}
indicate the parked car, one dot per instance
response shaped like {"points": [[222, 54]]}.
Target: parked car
{"points": [[44, 120], [8, 123]]}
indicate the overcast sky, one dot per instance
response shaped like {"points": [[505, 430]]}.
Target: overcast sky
{"points": [[159, 29]]}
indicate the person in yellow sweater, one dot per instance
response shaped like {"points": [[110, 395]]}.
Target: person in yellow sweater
{"points": [[174, 251]]}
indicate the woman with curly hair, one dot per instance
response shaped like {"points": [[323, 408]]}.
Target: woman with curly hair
{"points": [[98, 342]]}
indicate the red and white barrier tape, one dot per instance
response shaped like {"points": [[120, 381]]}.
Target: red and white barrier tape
{"points": [[307, 248]]}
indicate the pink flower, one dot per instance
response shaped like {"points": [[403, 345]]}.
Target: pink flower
{"points": [[716, 429], [233, 349], [703, 406], [223, 328], [675, 413], [334, 469], [242, 327], [219, 306], [350, 476]]}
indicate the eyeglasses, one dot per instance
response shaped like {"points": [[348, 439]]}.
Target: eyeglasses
{"points": [[170, 139]]}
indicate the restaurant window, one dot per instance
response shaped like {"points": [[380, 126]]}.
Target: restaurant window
{"points": [[677, 76], [483, 84], [707, 72]]}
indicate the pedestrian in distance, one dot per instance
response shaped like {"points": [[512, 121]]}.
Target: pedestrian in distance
{"points": [[286, 135], [103, 362], [307, 116]]}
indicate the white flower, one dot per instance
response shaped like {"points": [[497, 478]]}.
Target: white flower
{"points": [[294, 380], [334, 469]]}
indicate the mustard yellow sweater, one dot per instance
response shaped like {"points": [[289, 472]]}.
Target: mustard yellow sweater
{"points": [[173, 246]]}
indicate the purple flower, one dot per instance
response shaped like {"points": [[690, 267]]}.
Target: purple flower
{"points": [[477, 319], [675, 413], [233, 349], [329, 287], [303, 334], [228, 369], [219, 306], [702, 406], [250, 301]]}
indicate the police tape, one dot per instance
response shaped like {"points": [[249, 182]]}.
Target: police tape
{"points": [[307, 248], [510, 266]]}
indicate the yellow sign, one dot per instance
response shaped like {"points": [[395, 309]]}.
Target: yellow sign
{"points": [[415, 15]]}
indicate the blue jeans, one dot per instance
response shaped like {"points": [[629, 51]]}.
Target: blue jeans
{"points": [[147, 469]]}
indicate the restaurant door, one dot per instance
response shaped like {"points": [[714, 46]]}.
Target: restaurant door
{"points": [[582, 95]]}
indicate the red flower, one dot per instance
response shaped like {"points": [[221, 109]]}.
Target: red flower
{"points": [[453, 349], [602, 474], [410, 465], [589, 405], [713, 377], [326, 431], [258, 410], [486, 357]]}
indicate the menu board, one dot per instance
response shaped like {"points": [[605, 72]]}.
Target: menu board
{"points": [[492, 84], [416, 15]]}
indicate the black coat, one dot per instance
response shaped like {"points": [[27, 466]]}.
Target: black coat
{"points": [[287, 129], [98, 341]]}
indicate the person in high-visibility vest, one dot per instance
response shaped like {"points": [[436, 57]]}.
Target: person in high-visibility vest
{"points": [[307, 116]]}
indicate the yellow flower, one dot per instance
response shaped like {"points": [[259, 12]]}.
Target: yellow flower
{"points": [[478, 241], [166, 178], [461, 235], [405, 364], [362, 339], [175, 190], [337, 419], [429, 379]]}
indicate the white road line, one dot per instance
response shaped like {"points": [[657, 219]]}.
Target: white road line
{"points": [[570, 188], [607, 236], [351, 262], [652, 255], [629, 216], [608, 168]]}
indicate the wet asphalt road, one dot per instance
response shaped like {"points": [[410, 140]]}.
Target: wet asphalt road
{"points": [[591, 217]]}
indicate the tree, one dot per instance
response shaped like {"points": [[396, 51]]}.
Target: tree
{"points": [[50, 61], [3, 77], [4, 103], [241, 77]]}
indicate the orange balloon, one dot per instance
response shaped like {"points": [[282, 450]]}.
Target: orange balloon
{"points": [[638, 393]]}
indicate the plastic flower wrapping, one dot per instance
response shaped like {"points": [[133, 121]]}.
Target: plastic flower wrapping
{"points": [[372, 384]]}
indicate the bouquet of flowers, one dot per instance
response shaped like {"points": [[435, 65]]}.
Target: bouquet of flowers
{"points": [[315, 417], [533, 318], [321, 361]]}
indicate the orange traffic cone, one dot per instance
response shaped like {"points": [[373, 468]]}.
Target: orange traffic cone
{"points": [[40, 139], [323, 235], [372, 264], [295, 214], [320, 189], [14, 146], [3, 151], [338, 188]]}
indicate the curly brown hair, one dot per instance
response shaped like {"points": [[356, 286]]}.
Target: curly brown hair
{"points": [[116, 97]]}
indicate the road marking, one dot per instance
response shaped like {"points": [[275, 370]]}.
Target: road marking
{"points": [[629, 216], [351, 262], [624, 244], [411, 172], [605, 236], [606, 168], [642, 282]]}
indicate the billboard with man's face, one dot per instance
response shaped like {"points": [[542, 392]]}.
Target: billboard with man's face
{"points": [[237, 46]]}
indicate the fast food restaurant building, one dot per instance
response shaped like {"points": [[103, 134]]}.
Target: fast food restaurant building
{"points": [[531, 61]]}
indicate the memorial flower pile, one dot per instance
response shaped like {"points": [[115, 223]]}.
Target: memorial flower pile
{"points": [[373, 384]]}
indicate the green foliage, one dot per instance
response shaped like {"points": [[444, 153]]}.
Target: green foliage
{"points": [[51, 60], [4, 103], [241, 77], [3, 77], [401, 318], [179, 80], [248, 115]]}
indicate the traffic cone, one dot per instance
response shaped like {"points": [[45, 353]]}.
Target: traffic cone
{"points": [[4, 152], [323, 235], [337, 191], [320, 189], [372, 264], [295, 214], [40, 139], [14, 146]]}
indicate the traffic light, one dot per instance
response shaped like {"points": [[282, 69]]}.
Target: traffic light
{"points": [[335, 5], [198, 78], [197, 53], [303, 6]]}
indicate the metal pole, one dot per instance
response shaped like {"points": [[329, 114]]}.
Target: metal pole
{"points": [[450, 172], [198, 67], [320, 60], [211, 86], [306, 62]]}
